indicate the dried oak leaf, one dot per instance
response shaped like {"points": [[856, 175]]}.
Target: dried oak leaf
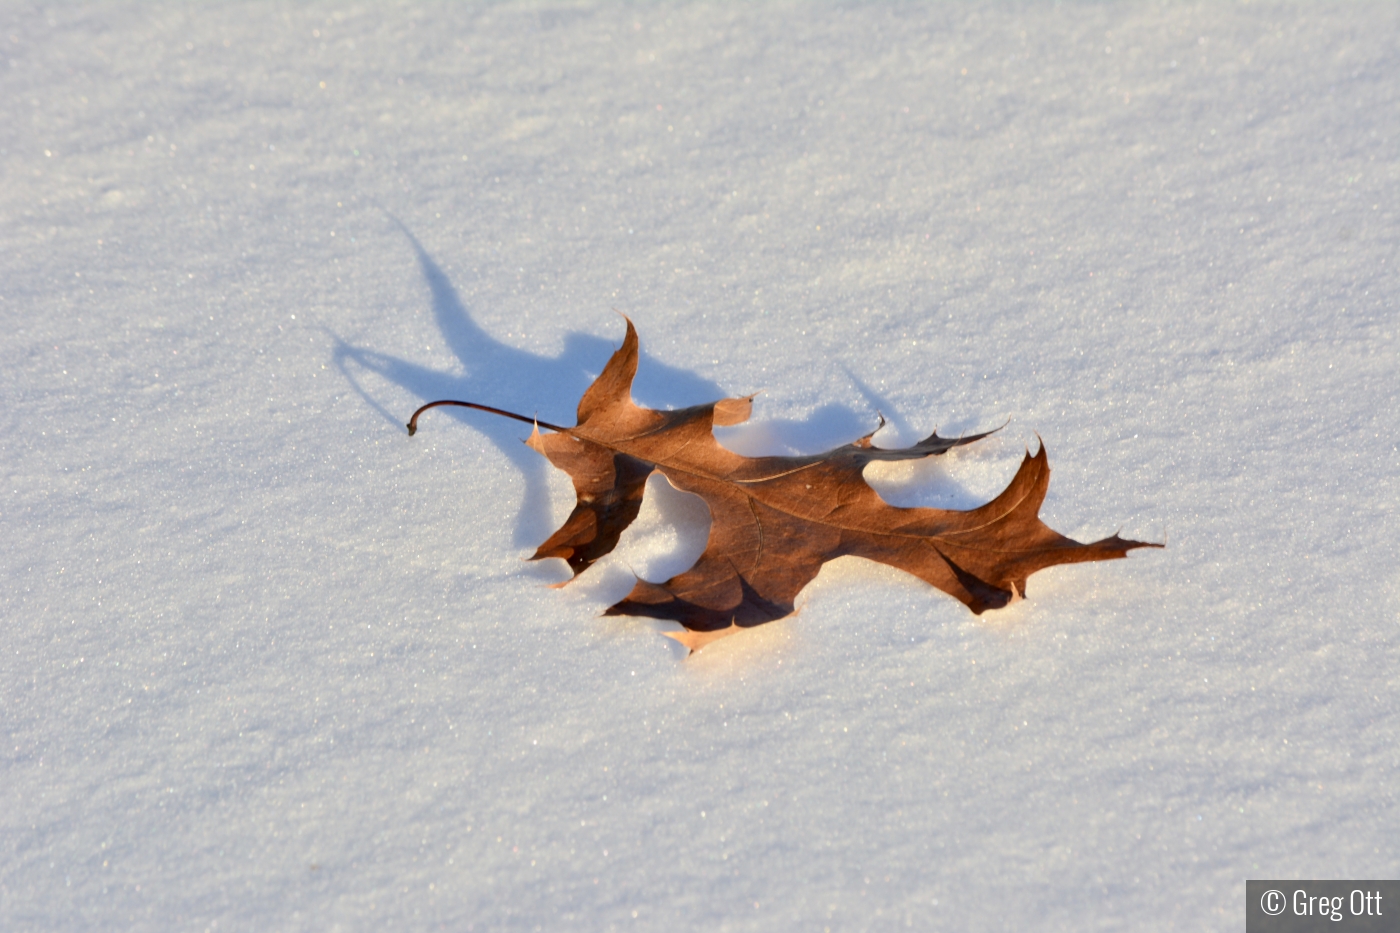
{"points": [[776, 520]]}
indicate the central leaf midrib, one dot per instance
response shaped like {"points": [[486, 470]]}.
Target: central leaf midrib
{"points": [[741, 484]]}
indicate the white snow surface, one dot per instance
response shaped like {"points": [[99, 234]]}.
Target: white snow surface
{"points": [[267, 663]]}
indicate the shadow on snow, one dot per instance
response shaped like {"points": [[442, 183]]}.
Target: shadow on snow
{"points": [[494, 373]]}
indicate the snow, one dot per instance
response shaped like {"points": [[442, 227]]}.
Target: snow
{"points": [[269, 664]]}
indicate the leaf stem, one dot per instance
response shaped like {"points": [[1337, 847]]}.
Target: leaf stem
{"points": [[413, 422]]}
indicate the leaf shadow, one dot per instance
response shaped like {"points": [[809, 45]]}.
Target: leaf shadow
{"points": [[494, 373]]}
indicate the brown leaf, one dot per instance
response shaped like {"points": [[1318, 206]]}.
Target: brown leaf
{"points": [[776, 520]]}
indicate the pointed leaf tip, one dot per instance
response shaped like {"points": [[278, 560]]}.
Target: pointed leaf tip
{"points": [[729, 411], [613, 387], [695, 641]]}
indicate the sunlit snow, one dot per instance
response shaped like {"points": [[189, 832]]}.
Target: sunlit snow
{"points": [[267, 663]]}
